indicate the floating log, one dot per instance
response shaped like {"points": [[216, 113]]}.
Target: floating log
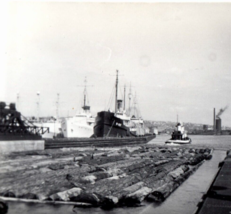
{"points": [[77, 204], [102, 159], [137, 197], [109, 202], [66, 195], [197, 159], [29, 196], [87, 197], [163, 192], [141, 190], [8, 193], [3, 207], [179, 171]]}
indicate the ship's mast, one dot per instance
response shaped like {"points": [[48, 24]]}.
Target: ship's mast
{"points": [[116, 91], [85, 107], [135, 109], [17, 101], [57, 107], [130, 96], [124, 95], [38, 104], [85, 92]]}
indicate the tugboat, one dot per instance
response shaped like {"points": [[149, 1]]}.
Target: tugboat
{"points": [[179, 136]]}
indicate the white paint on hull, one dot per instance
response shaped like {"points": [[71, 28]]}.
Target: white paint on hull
{"points": [[77, 127]]}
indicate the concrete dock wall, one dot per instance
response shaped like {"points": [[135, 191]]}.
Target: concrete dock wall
{"points": [[21, 145], [217, 200]]}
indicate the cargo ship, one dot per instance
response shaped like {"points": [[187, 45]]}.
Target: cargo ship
{"points": [[110, 125], [117, 123], [111, 129]]}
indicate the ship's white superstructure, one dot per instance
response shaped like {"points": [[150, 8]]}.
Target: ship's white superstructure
{"points": [[135, 123], [81, 125], [137, 126], [179, 136]]}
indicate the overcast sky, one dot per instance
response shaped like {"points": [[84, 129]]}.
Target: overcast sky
{"points": [[177, 57]]}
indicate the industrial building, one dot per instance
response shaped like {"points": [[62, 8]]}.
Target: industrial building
{"points": [[217, 121]]}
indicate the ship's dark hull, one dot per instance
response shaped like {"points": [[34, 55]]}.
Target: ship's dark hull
{"points": [[107, 125], [177, 138], [108, 131]]}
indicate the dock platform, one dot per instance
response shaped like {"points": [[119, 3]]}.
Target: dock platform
{"points": [[218, 198]]}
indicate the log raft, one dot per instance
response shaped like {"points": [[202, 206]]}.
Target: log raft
{"points": [[103, 177], [97, 142]]}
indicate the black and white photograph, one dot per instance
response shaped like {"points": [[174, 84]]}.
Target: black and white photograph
{"points": [[115, 107]]}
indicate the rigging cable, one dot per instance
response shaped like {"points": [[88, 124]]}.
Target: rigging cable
{"points": [[111, 98]]}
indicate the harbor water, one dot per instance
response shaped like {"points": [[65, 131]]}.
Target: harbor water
{"points": [[183, 200]]}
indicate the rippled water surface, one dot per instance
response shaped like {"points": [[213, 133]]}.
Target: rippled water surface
{"points": [[183, 200]]}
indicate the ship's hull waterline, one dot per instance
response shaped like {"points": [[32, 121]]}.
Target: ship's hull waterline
{"points": [[108, 125]]}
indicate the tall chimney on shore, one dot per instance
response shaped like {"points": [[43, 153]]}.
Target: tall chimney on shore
{"points": [[214, 121]]}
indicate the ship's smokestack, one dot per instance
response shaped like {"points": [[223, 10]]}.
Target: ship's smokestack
{"points": [[119, 105]]}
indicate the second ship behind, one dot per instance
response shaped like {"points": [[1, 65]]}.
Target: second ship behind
{"points": [[111, 129]]}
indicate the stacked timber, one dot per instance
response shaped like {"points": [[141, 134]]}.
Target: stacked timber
{"points": [[99, 177]]}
